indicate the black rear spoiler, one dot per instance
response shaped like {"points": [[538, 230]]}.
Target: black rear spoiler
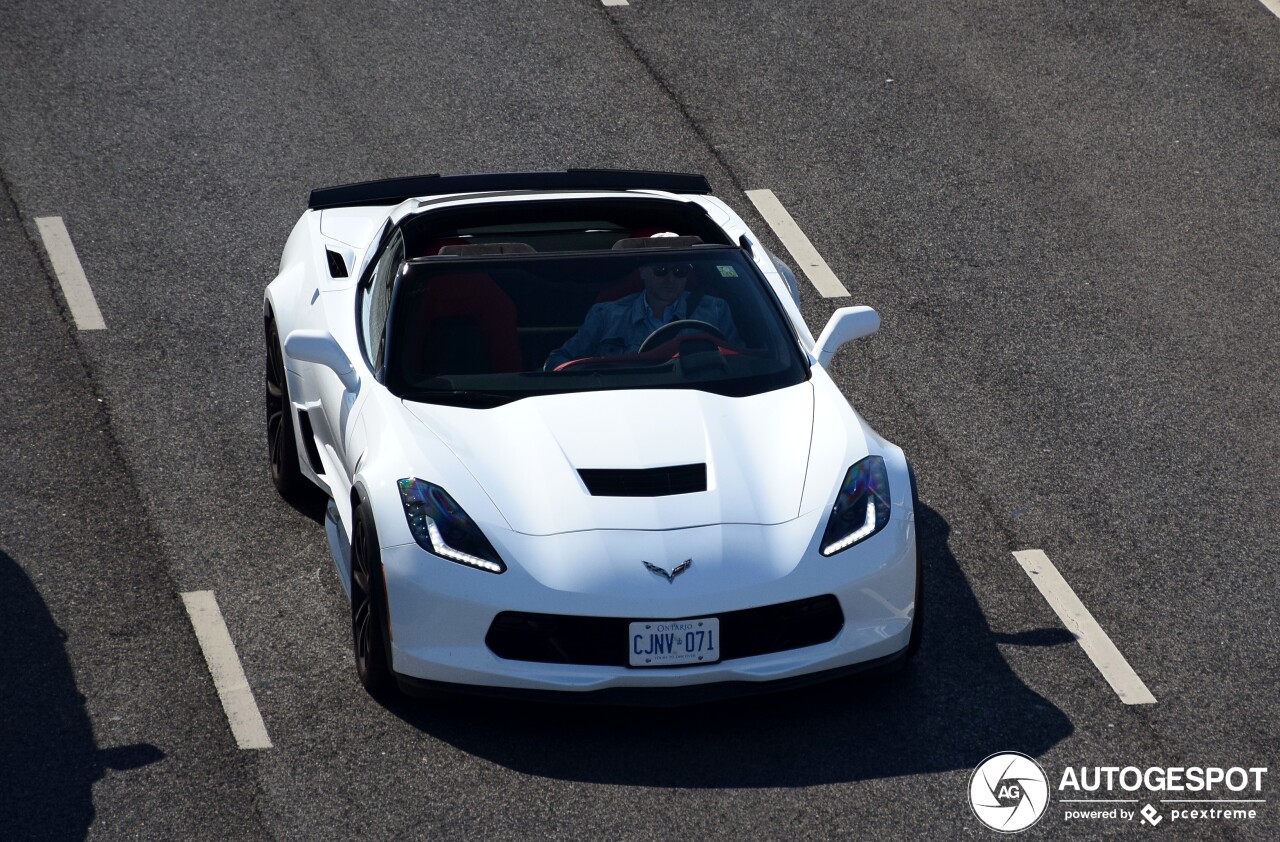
{"points": [[393, 191]]}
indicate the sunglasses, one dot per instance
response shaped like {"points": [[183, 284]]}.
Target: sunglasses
{"points": [[676, 271]]}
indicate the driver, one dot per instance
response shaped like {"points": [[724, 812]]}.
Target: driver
{"points": [[619, 327]]}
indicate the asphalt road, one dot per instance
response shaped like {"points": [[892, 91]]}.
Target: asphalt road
{"points": [[1068, 215]]}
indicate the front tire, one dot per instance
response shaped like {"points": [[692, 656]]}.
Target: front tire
{"points": [[282, 443], [370, 631]]}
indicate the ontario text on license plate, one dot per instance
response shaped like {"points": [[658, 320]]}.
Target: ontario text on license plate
{"points": [[664, 643]]}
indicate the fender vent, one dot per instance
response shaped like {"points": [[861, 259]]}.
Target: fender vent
{"points": [[646, 482], [337, 266], [309, 442]]}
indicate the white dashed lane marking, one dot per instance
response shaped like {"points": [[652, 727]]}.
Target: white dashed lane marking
{"points": [[1273, 5], [806, 256], [1092, 639], [615, 2], [66, 265], [228, 676]]}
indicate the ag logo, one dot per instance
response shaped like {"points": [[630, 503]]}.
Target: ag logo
{"points": [[1008, 792]]}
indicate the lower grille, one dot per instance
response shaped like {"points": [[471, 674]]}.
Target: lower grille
{"points": [[602, 641]]}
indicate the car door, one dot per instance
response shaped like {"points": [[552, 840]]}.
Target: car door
{"points": [[339, 405], [373, 306]]}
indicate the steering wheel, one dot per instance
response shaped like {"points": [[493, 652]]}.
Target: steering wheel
{"points": [[671, 329]]}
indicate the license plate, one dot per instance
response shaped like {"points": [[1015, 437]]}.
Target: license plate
{"points": [[666, 643]]}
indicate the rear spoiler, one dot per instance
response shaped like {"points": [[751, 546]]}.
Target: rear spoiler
{"points": [[393, 191]]}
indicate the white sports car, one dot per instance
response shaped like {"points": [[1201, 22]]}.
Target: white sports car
{"points": [[577, 437]]}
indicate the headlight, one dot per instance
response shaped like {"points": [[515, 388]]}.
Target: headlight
{"points": [[862, 506], [440, 526]]}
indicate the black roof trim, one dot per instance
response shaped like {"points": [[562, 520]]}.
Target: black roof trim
{"points": [[393, 191]]}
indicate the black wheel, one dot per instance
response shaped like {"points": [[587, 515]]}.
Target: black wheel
{"points": [[282, 445], [671, 329], [369, 632]]}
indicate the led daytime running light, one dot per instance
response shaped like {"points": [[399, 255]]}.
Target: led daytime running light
{"points": [[441, 547], [868, 526]]}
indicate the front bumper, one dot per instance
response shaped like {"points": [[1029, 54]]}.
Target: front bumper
{"points": [[441, 612], [693, 694]]}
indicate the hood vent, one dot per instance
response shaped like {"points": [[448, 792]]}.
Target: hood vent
{"points": [[645, 482]]}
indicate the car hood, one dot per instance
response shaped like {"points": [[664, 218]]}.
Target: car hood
{"points": [[526, 455]]}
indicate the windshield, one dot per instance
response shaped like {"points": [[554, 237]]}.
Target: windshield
{"points": [[485, 331]]}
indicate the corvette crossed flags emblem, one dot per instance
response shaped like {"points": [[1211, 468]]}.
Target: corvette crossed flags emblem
{"points": [[675, 571]]}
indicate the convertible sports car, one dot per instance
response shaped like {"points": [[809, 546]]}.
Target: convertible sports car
{"points": [[577, 437]]}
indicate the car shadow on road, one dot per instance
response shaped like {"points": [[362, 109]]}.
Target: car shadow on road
{"points": [[48, 758], [956, 704]]}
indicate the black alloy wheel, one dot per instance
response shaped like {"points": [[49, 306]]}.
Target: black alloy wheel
{"points": [[369, 608], [282, 446]]}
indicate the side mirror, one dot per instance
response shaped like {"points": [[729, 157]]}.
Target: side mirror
{"points": [[319, 347], [846, 325]]}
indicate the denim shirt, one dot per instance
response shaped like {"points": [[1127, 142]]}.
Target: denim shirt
{"points": [[618, 327]]}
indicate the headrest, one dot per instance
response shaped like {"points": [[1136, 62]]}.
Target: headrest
{"points": [[433, 248], [658, 241], [486, 249]]}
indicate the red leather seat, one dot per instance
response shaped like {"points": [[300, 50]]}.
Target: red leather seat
{"points": [[466, 325]]}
